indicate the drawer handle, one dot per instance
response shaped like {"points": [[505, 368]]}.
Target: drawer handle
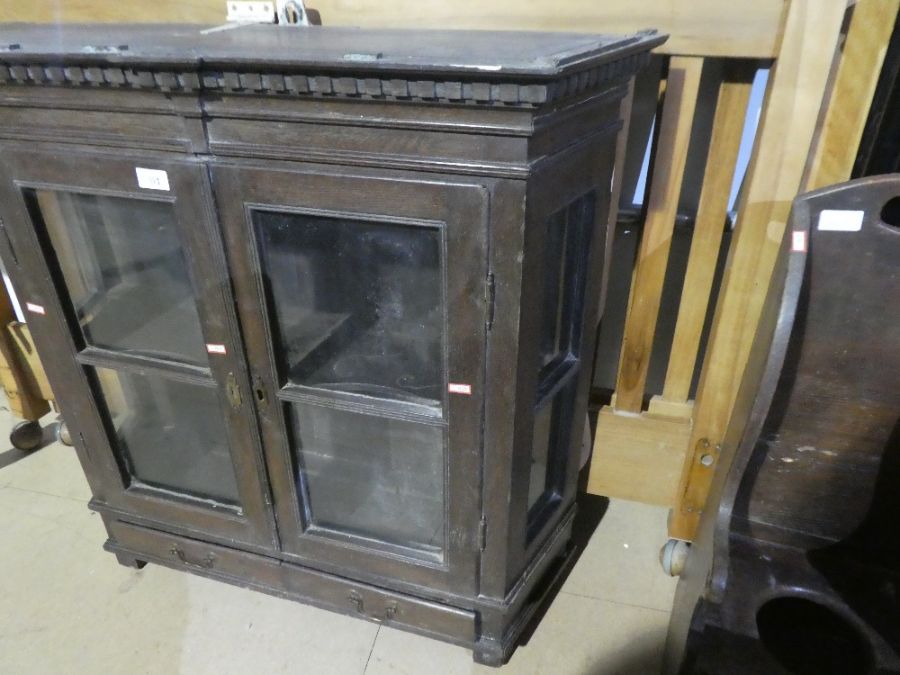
{"points": [[205, 564], [390, 610]]}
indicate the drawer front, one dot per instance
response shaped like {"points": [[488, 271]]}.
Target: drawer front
{"points": [[293, 581]]}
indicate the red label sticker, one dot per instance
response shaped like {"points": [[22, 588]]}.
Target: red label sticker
{"points": [[37, 309], [215, 349], [798, 241], [456, 388]]}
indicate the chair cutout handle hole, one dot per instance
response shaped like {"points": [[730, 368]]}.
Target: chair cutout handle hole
{"points": [[890, 212]]}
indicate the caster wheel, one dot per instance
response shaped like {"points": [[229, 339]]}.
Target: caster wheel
{"points": [[26, 436], [62, 433], [673, 555]]}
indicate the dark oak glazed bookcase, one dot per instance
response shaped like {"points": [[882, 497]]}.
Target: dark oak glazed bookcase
{"points": [[317, 303]]}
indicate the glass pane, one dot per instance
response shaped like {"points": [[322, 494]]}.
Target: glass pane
{"points": [[566, 246], [550, 444], [125, 272], [358, 305], [552, 339], [169, 434], [540, 449], [372, 476]]}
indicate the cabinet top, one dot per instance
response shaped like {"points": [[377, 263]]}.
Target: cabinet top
{"points": [[489, 54]]}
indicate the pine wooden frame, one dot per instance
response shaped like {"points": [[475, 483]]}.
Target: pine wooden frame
{"points": [[816, 104]]}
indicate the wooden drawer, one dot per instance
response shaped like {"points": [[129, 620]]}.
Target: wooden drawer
{"points": [[293, 581]]}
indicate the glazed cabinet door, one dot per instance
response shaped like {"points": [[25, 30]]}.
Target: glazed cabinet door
{"points": [[122, 277], [362, 301]]}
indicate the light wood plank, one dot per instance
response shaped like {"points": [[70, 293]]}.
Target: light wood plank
{"points": [[638, 457], [20, 336], [683, 84], [22, 392], [794, 96], [615, 193], [106, 11], [851, 96], [728, 126], [746, 28]]}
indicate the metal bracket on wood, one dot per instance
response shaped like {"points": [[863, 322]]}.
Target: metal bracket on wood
{"points": [[291, 12]]}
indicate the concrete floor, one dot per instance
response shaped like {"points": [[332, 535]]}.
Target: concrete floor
{"points": [[68, 607]]}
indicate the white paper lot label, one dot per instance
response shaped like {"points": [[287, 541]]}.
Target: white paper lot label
{"points": [[841, 220], [35, 309], [152, 179]]}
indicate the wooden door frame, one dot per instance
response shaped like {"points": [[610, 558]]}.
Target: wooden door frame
{"points": [[461, 208], [24, 251]]}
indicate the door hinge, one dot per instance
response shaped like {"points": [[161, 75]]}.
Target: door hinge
{"points": [[489, 296], [482, 534], [234, 391]]}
